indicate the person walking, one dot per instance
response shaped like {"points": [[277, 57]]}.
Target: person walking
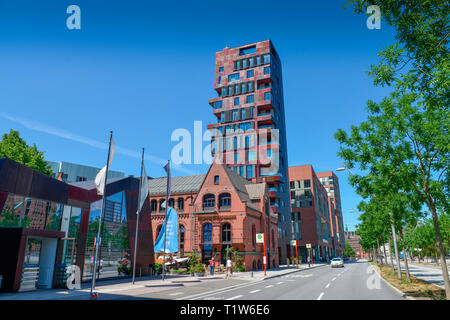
{"points": [[212, 265], [229, 267], [309, 261]]}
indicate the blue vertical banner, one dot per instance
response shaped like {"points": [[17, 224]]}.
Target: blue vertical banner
{"points": [[171, 223]]}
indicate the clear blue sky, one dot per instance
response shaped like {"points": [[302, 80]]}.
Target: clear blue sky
{"points": [[144, 69]]}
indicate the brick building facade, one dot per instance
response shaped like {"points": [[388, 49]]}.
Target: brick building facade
{"points": [[216, 210]]}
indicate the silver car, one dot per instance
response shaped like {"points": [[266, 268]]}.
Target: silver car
{"points": [[337, 262]]}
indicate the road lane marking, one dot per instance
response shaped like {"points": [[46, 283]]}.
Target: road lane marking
{"points": [[333, 279], [235, 297], [257, 290], [175, 293], [327, 285], [269, 286], [280, 282], [339, 275], [320, 297]]}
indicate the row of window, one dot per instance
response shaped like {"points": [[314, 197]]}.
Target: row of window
{"points": [[209, 201], [239, 88], [154, 204], [300, 184], [251, 62], [236, 76]]}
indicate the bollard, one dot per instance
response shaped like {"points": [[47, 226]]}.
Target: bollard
{"points": [[252, 274], [140, 272]]}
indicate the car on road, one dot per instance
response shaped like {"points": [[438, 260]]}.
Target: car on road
{"points": [[337, 262]]}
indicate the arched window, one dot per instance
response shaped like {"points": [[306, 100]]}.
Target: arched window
{"points": [[253, 235], [154, 205], [207, 243], [226, 233], [171, 202], [180, 204], [181, 237], [224, 201], [209, 201], [161, 209]]}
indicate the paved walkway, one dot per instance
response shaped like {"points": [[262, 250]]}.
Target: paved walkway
{"points": [[427, 273], [142, 285]]}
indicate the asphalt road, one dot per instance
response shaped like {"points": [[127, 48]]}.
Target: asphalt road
{"points": [[356, 281]]}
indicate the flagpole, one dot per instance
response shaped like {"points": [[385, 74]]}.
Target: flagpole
{"points": [[137, 217], [167, 210], [101, 217]]}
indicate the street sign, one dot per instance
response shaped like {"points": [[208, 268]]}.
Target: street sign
{"points": [[264, 260], [308, 245], [293, 242], [260, 238]]}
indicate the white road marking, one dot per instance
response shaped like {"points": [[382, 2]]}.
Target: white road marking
{"points": [[269, 286], [333, 279], [320, 297], [327, 285], [175, 293], [280, 282], [235, 297], [257, 290], [339, 275]]}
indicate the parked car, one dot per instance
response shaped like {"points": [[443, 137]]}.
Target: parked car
{"points": [[337, 262]]}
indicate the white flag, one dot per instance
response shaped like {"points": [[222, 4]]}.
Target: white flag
{"points": [[100, 178], [144, 189], [167, 168]]}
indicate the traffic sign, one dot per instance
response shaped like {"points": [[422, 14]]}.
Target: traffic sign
{"points": [[264, 260], [308, 245], [293, 242], [260, 238]]}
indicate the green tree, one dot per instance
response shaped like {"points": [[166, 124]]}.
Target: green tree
{"points": [[15, 148], [349, 252], [405, 139]]}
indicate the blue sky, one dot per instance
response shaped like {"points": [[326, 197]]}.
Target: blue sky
{"points": [[144, 69]]}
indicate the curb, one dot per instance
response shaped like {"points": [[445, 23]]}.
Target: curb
{"points": [[376, 269]]}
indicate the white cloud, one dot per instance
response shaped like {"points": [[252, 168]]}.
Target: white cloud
{"points": [[58, 132]]}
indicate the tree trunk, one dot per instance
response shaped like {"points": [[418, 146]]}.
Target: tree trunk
{"points": [[390, 255], [378, 247], [397, 256], [384, 249], [441, 252], [405, 257]]}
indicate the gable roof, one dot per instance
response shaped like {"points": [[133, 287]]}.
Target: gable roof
{"points": [[185, 184]]}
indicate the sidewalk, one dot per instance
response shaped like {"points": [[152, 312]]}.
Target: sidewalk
{"points": [[113, 288], [427, 273]]}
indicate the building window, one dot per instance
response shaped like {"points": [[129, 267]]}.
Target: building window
{"points": [[236, 101], [236, 157], [253, 235], [244, 63], [235, 115], [235, 143], [251, 62], [224, 200], [258, 60], [250, 74], [208, 201], [181, 237], [250, 86], [251, 155], [161, 209], [180, 204], [217, 104], [154, 205], [233, 77], [226, 233], [219, 79], [249, 172], [207, 243], [267, 96], [81, 179], [172, 202], [224, 91], [216, 179], [241, 171], [250, 98], [266, 70], [266, 58], [220, 69]]}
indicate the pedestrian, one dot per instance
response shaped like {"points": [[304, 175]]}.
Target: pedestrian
{"points": [[309, 261], [212, 264], [229, 267]]}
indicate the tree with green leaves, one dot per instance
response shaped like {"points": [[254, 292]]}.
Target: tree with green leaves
{"points": [[349, 252], [15, 148], [405, 138]]}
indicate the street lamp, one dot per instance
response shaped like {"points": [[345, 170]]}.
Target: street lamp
{"points": [[345, 168]]}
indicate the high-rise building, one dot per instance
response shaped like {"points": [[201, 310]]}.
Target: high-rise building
{"points": [[250, 133], [331, 183]]}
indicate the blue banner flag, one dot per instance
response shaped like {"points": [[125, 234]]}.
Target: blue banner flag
{"points": [[171, 221]]}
